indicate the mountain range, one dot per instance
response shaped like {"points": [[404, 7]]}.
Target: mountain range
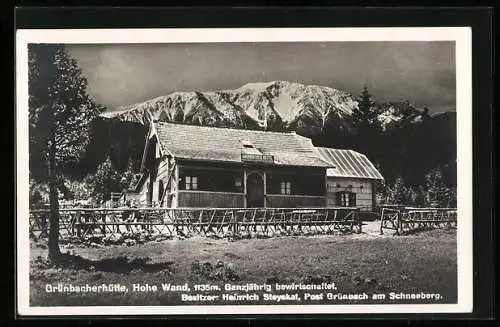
{"points": [[270, 105]]}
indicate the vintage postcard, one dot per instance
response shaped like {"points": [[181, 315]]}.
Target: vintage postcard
{"points": [[244, 171]]}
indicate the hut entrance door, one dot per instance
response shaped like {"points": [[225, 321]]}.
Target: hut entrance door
{"points": [[255, 190]]}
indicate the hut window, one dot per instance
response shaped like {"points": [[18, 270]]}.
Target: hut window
{"points": [[191, 183], [295, 184], [346, 199], [237, 182], [286, 187]]}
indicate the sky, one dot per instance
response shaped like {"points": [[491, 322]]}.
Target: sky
{"points": [[123, 74]]}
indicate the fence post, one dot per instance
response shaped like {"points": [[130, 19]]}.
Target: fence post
{"points": [[382, 222], [360, 222], [398, 221], [235, 224], [103, 228], [78, 223]]}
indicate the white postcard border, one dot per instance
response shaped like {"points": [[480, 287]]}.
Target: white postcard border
{"points": [[463, 41]]}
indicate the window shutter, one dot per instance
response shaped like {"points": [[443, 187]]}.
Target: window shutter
{"points": [[352, 199]]}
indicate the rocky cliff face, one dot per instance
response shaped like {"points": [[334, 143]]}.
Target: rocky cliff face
{"points": [[276, 105], [253, 105]]}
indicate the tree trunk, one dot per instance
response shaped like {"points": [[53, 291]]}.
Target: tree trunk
{"points": [[53, 244]]}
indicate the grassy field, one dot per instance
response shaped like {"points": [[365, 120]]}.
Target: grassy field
{"points": [[371, 263]]}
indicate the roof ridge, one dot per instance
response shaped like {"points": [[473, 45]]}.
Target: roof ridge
{"points": [[336, 149], [229, 128]]}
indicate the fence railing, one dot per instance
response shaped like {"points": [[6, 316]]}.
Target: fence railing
{"points": [[408, 219], [222, 222]]}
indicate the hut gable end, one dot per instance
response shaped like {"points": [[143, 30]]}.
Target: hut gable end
{"points": [[349, 163]]}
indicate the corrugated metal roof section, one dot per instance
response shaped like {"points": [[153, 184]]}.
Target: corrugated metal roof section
{"points": [[348, 163], [225, 144]]}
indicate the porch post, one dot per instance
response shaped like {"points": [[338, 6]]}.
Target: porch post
{"points": [[326, 188], [245, 187], [374, 200], [175, 202], [265, 189]]}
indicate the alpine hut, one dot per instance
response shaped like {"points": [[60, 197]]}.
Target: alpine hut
{"points": [[198, 166]]}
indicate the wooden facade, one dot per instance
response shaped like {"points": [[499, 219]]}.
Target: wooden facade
{"points": [[355, 192], [192, 184]]}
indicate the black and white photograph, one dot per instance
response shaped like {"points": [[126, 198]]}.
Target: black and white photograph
{"points": [[244, 171]]}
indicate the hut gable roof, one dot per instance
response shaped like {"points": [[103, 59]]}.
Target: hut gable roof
{"points": [[203, 143], [348, 163]]}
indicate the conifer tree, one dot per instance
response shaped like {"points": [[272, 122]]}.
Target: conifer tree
{"points": [[127, 175], [104, 181], [397, 192], [60, 111], [365, 116], [437, 192], [365, 121]]}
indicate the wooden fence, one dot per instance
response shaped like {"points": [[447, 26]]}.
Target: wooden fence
{"points": [[221, 222], [408, 219]]}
